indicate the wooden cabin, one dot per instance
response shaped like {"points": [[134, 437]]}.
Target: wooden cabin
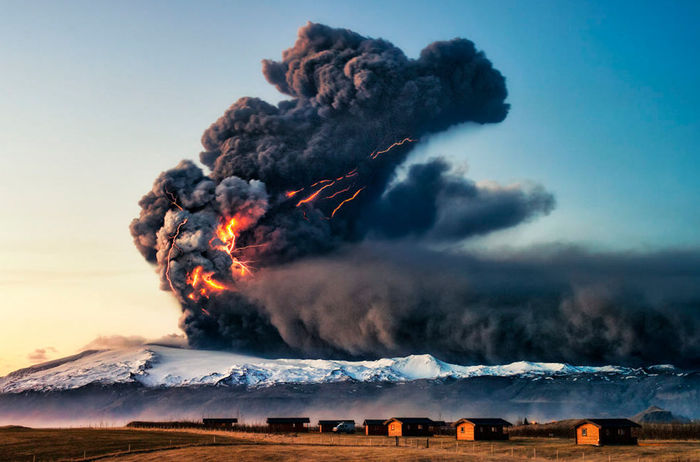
{"points": [[409, 426], [217, 422], [288, 424], [479, 429], [375, 427], [600, 432], [328, 426]]}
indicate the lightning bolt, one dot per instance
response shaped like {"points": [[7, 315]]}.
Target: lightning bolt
{"points": [[346, 201], [376, 154], [170, 251]]}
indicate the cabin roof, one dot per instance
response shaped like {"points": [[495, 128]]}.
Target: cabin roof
{"points": [[335, 422], [484, 421], [410, 420], [283, 420], [374, 422], [609, 423]]}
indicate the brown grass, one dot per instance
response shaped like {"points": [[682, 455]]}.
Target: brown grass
{"points": [[153, 446], [521, 449], [28, 444]]}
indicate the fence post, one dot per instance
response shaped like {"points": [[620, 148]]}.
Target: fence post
{"points": [[397, 441], [427, 442]]}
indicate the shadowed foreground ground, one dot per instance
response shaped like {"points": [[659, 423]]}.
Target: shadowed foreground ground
{"points": [[28, 444], [23, 444], [674, 452]]}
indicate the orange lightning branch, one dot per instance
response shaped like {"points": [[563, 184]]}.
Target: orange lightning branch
{"points": [[173, 199], [313, 196], [346, 200], [336, 193], [376, 154]]}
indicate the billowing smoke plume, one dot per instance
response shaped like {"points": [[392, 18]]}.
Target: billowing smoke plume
{"points": [[550, 305], [268, 253]]}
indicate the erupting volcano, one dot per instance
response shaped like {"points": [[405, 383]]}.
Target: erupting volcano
{"points": [[307, 237]]}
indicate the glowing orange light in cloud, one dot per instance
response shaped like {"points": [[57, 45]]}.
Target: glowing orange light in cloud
{"points": [[293, 193], [229, 229]]}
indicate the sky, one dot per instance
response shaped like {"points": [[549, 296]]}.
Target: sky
{"points": [[99, 97]]}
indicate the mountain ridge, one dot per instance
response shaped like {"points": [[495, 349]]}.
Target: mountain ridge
{"points": [[162, 366]]}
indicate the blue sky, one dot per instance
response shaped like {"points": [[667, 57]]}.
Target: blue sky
{"points": [[99, 97]]}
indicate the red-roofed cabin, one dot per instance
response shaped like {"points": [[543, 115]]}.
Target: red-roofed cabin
{"points": [[600, 432]]}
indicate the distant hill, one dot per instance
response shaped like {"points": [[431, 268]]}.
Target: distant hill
{"points": [[655, 414]]}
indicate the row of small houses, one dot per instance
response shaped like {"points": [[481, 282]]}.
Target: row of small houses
{"points": [[588, 431]]}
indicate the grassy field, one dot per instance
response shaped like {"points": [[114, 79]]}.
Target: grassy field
{"points": [[28, 444], [158, 445]]}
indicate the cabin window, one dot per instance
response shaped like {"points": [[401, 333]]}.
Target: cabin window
{"points": [[481, 429], [393, 427], [620, 431], [461, 429], [584, 432], [420, 427], [493, 429]]}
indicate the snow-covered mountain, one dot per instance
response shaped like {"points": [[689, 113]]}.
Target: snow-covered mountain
{"points": [[155, 366]]}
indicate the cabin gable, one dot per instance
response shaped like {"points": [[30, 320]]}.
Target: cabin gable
{"points": [[587, 434], [465, 431], [394, 428]]}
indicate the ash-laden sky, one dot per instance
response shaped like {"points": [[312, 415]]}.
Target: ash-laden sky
{"points": [[302, 239]]}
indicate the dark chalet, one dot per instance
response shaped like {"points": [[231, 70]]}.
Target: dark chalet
{"points": [[375, 427], [219, 422], [288, 424]]}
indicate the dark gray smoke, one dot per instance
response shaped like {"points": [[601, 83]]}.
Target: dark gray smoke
{"points": [[549, 305], [441, 206], [316, 175]]}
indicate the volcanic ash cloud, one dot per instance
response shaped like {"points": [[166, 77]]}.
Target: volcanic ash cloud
{"points": [[314, 177]]}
